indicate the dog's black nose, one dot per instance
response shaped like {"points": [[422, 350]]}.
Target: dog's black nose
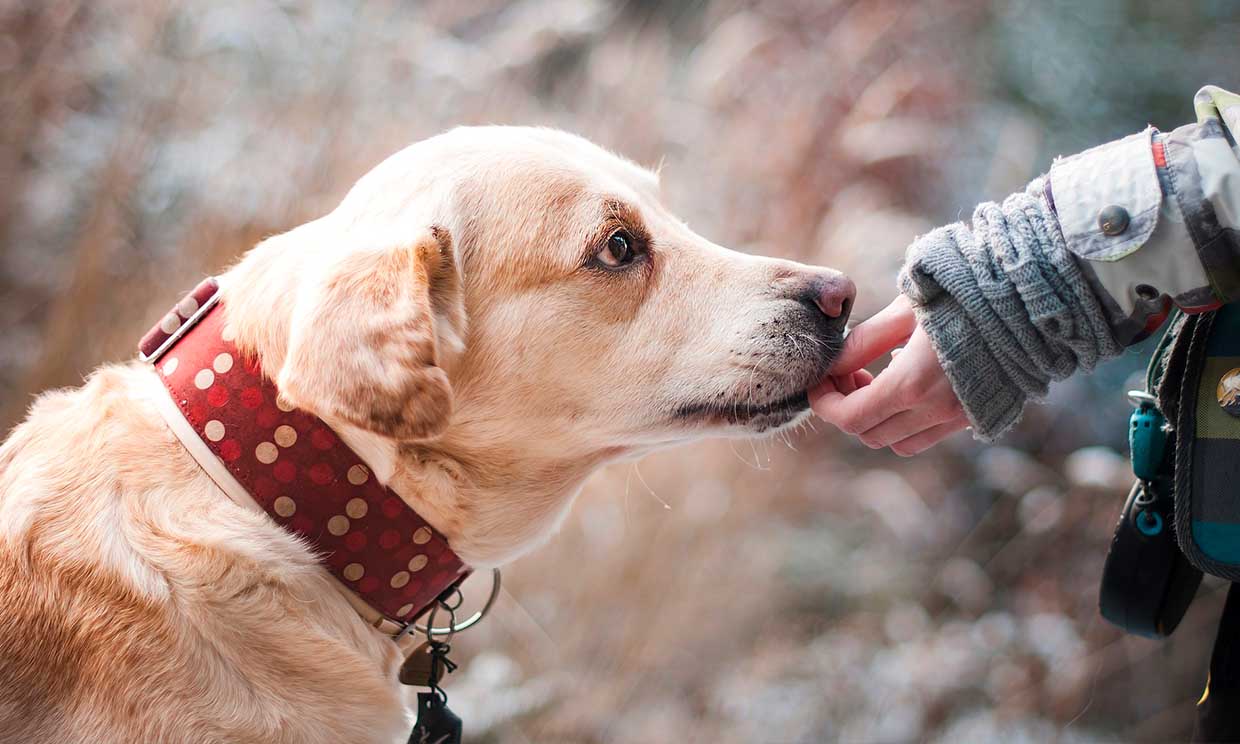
{"points": [[833, 294]]}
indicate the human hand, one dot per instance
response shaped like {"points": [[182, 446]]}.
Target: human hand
{"points": [[909, 406]]}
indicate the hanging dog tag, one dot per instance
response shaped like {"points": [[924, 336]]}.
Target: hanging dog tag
{"points": [[420, 669], [436, 724]]}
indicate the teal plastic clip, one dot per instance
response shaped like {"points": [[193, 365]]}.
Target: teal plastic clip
{"points": [[1147, 435]]}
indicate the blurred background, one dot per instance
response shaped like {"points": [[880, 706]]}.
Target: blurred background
{"points": [[800, 589]]}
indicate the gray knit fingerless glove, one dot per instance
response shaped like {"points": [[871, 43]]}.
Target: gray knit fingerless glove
{"points": [[1006, 306]]}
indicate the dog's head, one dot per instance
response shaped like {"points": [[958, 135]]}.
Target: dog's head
{"points": [[511, 307]]}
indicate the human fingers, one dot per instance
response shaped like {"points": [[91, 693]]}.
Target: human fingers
{"points": [[848, 384], [860, 411], [906, 424], [844, 384], [923, 441], [918, 383], [875, 336]]}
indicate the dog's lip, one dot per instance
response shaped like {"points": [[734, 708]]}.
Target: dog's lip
{"points": [[736, 412]]}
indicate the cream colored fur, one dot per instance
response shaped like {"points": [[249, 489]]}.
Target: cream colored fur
{"points": [[449, 320]]}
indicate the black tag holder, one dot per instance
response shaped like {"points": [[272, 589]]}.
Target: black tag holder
{"points": [[436, 723], [1147, 583]]}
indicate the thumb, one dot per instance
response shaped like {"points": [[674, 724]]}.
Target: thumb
{"points": [[887, 329]]}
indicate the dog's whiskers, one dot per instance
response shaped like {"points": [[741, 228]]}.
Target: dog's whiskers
{"points": [[650, 490]]}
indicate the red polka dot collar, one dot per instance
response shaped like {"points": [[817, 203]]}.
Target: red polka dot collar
{"points": [[293, 466]]}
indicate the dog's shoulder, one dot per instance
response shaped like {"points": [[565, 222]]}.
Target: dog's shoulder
{"points": [[138, 599], [71, 621]]}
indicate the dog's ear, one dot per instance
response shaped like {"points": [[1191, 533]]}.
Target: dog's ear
{"points": [[363, 346]]}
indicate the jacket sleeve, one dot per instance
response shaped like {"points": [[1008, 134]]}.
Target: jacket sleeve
{"points": [[1082, 263], [1154, 217]]}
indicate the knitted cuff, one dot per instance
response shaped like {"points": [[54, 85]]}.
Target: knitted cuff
{"points": [[1006, 307], [991, 400]]}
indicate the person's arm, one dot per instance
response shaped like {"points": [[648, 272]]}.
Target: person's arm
{"points": [[1052, 281]]}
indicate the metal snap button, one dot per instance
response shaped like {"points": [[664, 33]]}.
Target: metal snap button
{"points": [[1146, 292], [1113, 220], [1228, 392]]}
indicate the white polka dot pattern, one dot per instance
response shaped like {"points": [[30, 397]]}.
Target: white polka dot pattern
{"points": [[356, 508], [400, 579], [358, 474], [170, 323], [286, 436], [421, 536], [354, 571], [284, 506], [187, 307], [214, 430], [266, 453], [222, 362], [176, 318], [170, 366], [204, 379], [417, 563], [338, 525]]}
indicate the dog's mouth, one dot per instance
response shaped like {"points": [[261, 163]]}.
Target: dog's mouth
{"points": [[759, 416], [746, 401]]}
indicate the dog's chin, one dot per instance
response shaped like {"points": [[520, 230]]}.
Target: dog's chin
{"points": [[749, 417]]}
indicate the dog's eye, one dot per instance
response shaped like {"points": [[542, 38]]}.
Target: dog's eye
{"points": [[618, 251]]}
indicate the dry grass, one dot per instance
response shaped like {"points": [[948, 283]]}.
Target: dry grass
{"points": [[800, 589]]}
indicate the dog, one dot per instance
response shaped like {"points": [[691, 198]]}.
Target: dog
{"points": [[487, 317]]}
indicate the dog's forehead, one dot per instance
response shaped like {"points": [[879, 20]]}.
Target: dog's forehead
{"points": [[508, 163], [487, 184], [524, 154]]}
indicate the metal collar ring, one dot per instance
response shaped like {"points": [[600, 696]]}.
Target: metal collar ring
{"points": [[454, 627]]}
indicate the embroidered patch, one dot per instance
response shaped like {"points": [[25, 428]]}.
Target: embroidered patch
{"points": [[1228, 391]]}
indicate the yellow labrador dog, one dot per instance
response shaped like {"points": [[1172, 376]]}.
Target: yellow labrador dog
{"points": [[486, 318]]}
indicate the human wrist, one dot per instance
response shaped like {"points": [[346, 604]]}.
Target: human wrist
{"points": [[1006, 307], [990, 399]]}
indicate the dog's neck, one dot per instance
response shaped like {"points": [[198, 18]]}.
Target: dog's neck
{"points": [[496, 502], [494, 495]]}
